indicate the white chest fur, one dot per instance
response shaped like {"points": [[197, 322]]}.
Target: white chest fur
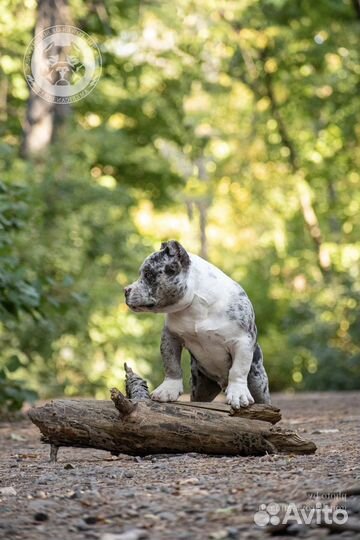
{"points": [[204, 326]]}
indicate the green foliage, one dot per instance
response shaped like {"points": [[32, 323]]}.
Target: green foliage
{"points": [[18, 292], [13, 393], [248, 109]]}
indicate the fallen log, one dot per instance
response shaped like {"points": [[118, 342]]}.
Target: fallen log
{"points": [[142, 426]]}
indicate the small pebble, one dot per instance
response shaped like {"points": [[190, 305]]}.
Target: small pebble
{"points": [[41, 516], [7, 491], [132, 534], [167, 516]]}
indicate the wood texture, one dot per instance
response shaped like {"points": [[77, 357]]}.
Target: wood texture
{"points": [[258, 411], [137, 388], [148, 427], [142, 426]]}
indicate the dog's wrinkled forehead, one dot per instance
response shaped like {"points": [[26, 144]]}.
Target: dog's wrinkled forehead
{"points": [[171, 259]]}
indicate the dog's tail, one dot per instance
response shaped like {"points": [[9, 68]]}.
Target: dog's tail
{"points": [[257, 379]]}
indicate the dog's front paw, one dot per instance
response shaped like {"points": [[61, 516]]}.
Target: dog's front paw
{"points": [[169, 390], [238, 395]]}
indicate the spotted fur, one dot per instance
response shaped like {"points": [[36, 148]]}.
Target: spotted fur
{"points": [[208, 314], [241, 311], [162, 282]]}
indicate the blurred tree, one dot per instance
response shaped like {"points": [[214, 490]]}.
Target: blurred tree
{"points": [[357, 7], [233, 127], [43, 117]]}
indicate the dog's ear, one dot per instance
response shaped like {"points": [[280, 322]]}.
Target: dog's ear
{"points": [[164, 245], [174, 249]]}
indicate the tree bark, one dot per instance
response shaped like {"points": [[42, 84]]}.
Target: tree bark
{"points": [[141, 427], [147, 427], [44, 118]]}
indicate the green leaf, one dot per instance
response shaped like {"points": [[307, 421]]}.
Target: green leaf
{"points": [[13, 363]]}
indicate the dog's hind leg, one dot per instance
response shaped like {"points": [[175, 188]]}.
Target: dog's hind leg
{"points": [[257, 379], [202, 388]]}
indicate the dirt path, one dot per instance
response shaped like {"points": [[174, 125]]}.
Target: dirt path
{"points": [[88, 494]]}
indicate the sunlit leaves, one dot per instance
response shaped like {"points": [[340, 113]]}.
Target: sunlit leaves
{"points": [[181, 117]]}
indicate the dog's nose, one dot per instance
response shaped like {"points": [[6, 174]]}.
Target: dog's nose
{"points": [[127, 291]]}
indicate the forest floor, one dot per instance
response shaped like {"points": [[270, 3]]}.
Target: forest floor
{"points": [[88, 494]]}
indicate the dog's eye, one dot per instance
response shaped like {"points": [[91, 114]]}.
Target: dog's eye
{"points": [[149, 275]]}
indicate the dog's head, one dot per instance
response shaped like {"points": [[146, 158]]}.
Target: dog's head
{"points": [[163, 279]]}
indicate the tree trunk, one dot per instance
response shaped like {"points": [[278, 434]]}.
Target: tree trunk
{"points": [[203, 205], [43, 118], [356, 4], [264, 87], [141, 427], [303, 188], [203, 208]]}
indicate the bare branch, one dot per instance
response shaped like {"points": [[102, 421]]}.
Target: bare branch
{"points": [[123, 405]]}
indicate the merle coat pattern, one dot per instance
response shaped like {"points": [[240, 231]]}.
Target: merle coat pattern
{"points": [[211, 316]]}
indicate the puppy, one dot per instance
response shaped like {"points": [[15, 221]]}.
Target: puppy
{"points": [[208, 314]]}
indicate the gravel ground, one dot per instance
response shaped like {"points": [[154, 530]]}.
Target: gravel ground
{"points": [[88, 494]]}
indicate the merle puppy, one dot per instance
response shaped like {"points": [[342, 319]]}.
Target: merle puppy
{"points": [[208, 314]]}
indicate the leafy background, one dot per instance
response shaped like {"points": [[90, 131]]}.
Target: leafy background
{"points": [[231, 126]]}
